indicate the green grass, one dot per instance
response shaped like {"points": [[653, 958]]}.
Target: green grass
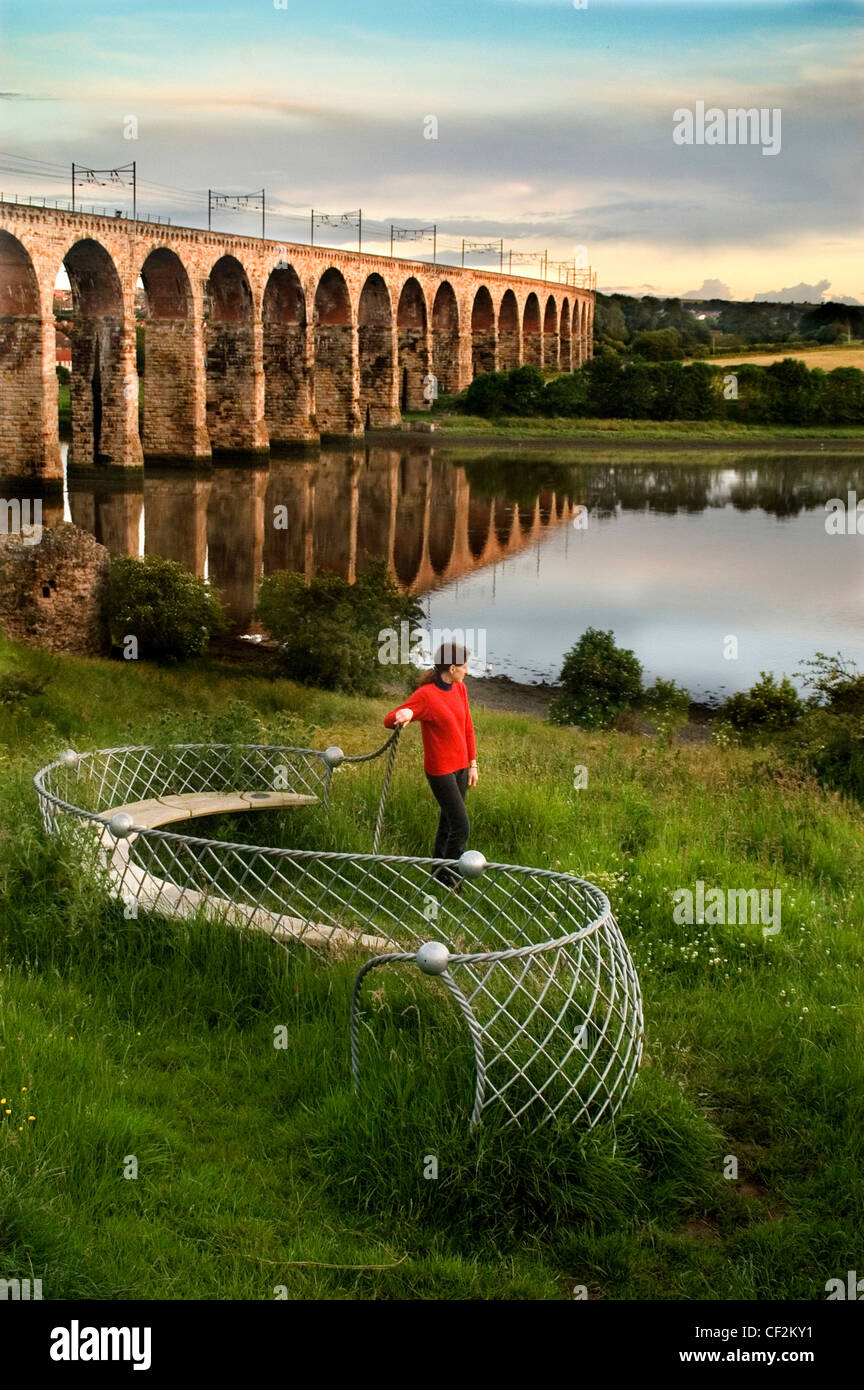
{"points": [[258, 1169], [516, 427]]}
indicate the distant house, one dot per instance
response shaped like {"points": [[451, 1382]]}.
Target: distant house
{"points": [[63, 349]]}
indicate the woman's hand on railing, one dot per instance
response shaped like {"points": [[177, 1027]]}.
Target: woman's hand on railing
{"points": [[403, 716]]}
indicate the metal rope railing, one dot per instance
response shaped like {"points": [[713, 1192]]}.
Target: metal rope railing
{"points": [[532, 958]]}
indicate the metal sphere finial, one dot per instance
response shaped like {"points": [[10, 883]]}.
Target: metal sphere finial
{"points": [[333, 756], [432, 958], [69, 758], [472, 864], [120, 825]]}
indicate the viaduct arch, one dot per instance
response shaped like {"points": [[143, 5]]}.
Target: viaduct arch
{"points": [[246, 342]]}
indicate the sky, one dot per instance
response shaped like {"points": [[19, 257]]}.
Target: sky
{"points": [[554, 126]]}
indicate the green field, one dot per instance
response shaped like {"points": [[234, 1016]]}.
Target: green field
{"points": [[258, 1169]]}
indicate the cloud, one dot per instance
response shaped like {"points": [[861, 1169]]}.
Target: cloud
{"points": [[711, 289], [805, 294], [794, 294], [637, 291]]}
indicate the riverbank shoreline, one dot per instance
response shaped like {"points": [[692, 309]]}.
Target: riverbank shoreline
{"points": [[554, 433], [499, 694]]}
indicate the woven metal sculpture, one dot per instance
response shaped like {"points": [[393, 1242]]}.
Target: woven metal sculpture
{"points": [[534, 960]]}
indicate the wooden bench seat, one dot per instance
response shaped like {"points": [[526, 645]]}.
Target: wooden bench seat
{"points": [[131, 883]]}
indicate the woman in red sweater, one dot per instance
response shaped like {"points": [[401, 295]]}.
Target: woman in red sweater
{"points": [[440, 703]]}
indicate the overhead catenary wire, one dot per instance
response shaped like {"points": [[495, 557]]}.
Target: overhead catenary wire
{"points": [[372, 232]]}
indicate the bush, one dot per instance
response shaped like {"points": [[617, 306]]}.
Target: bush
{"points": [[171, 612], [525, 387], [767, 706], [665, 698], [566, 395], [831, 748], [328, 630], [487, 395], [600, 681], [836, 684], [518, 392]]}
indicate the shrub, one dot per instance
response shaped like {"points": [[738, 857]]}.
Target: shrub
{"points": [[566, 395], [836, 683], [487, 395], [518, 392], [665, 697], [328, 630], [830, 746], [171, 612], [767, 706], [525, 387], [600, 681]]}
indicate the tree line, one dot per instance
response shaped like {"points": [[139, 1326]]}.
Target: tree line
{"points": [[664, 329], [608, 386]]}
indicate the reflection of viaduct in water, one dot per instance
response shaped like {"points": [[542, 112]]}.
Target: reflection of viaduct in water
{"points": [[342, 511], [247, 342]]}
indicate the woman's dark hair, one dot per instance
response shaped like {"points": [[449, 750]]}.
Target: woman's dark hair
{"points": [[448, 654]]}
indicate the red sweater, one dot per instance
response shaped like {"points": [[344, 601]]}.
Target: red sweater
{"points": [[445, 722]]}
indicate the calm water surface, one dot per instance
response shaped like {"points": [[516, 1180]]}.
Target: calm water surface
{"points": [[675, 557]]}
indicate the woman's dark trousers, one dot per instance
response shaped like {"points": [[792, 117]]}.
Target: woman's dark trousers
{"points": [[453, 824]]}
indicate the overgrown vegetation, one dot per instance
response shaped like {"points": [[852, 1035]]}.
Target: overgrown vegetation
{"points": [[155, 1038], [601, 680], [767, 706], [328, 630], [822, 735], [170, 613]]}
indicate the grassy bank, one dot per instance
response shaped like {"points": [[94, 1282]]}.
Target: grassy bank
{"points": [[672, 431], [258, 1168]]}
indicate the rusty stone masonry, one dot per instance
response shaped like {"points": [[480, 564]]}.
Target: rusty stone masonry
{"points": [[53, 594], [247, 342]]}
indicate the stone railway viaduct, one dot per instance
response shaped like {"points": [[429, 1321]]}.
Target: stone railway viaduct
{"points": [[248, 342]]}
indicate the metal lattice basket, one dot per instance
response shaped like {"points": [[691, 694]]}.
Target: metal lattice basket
{"points": [[534, 960]]}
